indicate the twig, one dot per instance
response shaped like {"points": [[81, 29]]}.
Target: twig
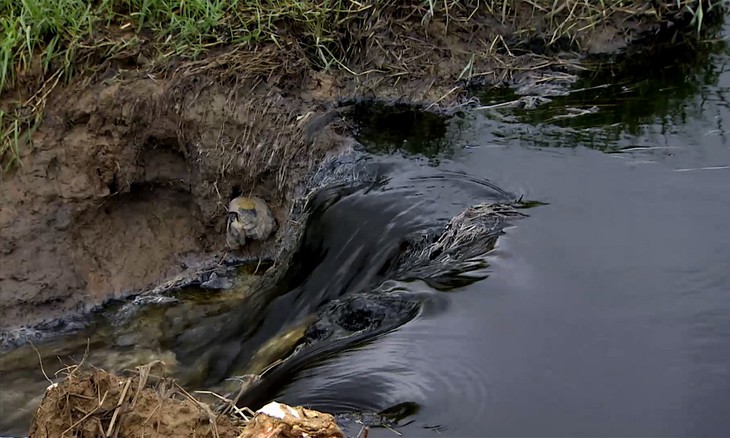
{"points": [[498, 105], [204, 408], [152, 413], [101, 403], [441, 98], [71, 369], [144, 373], [40, 360], [363, 432], [119, 408], [218, 396], [392, 430]]}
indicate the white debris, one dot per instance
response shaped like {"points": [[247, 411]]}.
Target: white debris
{"points": [[278, 410], [277, 420]]}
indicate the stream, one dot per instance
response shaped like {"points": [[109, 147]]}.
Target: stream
{"points": [[604, 312]]}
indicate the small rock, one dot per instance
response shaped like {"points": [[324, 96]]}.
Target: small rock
{"points": [[62, 219], [215, 282], [249, 219]]}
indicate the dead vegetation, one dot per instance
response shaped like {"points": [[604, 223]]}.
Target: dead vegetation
{"points": [[128, 124], [95, 403], [89, 402], [204, 97]]}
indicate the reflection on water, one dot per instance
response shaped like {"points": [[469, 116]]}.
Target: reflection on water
{"points": [[606, 313], [351, 245], [402, 128], [626, 106]]}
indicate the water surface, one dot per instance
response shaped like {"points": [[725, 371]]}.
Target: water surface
{"points": [[607, 311]]}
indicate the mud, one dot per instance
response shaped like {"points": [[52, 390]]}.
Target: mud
{"points": [[126, 187]]}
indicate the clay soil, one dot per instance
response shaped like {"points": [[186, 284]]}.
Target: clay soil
{"points": [[126, 182]]}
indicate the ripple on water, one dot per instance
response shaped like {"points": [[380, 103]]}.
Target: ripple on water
{"points": [[383, 374]]}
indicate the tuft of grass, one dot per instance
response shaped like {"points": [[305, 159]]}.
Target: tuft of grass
{"points": [[42, 39], [41, 36], [10, 141]]}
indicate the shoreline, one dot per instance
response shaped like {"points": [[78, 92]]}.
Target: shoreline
{"points": [[151, 149]]}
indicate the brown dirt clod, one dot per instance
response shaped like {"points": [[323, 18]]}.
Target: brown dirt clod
{"points": [[99, 404]]}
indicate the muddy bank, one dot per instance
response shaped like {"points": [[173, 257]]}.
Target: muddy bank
{"points": [[127, 185], [128, 175]]}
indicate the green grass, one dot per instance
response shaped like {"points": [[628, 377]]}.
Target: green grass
{"points": [[60, 38], [56, 31], [40, 38]]}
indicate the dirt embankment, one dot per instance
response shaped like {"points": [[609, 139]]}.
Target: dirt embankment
{"points": [[127, 185], [129, 173]]}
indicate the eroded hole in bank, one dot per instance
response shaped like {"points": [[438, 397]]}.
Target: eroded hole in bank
{"points": [[162, 161]]}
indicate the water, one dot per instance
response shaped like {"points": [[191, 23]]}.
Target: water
{"points": [[121, 336], [605, 312]]}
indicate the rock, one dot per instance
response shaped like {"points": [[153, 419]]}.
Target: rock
{"points": [[249, 218], [216, 282], [277, 420], [278, 347]]}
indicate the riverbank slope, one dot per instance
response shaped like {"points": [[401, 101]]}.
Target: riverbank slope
{"points": [[127, 127]]}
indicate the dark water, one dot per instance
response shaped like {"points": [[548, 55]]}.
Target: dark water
{"points": [[606, 312]]}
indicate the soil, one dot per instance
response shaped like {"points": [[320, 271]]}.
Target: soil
{"points": [[91, 403], [126, 186], [126, 182]]}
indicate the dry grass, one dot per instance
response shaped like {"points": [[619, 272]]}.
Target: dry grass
{"points": [[46, 42], [88, 401]]}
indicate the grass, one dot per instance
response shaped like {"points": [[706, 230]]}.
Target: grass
{"points": [[44, 42]]}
